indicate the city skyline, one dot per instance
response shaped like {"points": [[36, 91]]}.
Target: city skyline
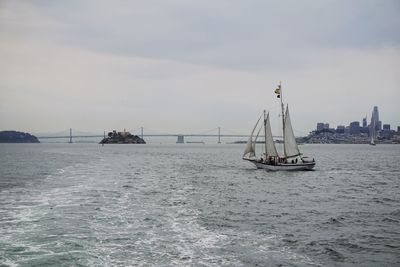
{"points": [[184, 67], [363, 122]]}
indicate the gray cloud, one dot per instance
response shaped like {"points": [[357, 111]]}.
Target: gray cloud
{"points": [[176, 64], [231, 34]]}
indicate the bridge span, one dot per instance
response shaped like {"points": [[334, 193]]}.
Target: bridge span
{"points": [[70, 137]]}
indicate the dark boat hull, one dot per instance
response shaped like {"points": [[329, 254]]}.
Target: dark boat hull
{"points": [[302, 166]]}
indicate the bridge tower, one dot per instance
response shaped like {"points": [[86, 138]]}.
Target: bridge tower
{"points": [[141, 132], [180, 139], [70, 135], [219, 135]]}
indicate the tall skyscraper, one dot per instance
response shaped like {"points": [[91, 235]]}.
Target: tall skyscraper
{"points": [[364, 122], [375, 114], [375, 118]]}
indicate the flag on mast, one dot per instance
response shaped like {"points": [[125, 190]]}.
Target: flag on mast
{"points": [[278, 91]]}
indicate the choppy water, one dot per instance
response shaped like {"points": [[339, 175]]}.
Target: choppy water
{"points": [[196, 205]]}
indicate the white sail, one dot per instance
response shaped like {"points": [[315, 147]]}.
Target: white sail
{"points": [[269, 141], [255, 139], [250, 149], [372, 132], [290, 146]]}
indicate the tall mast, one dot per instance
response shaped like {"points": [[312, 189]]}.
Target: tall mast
{"points": [[283, 115], [265, 134], [279, 94]]}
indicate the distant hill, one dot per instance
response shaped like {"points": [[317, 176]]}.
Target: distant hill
{"points": [[17, 137]]}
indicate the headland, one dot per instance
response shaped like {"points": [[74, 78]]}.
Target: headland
{"points": [[17, 137]]}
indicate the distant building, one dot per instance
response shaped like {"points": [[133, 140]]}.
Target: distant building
{"points": [[354, 127], [378, 126], [180, 139], [364, 129], [398, 129], [340, 129], [375, 114], [375, 118], [386, 132], [386, 127], [322, 126]]}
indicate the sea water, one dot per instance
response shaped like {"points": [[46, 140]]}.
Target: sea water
{"points": [[196, 205]]}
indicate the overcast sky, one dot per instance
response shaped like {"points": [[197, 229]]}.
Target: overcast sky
{"points": [[189, 66]]}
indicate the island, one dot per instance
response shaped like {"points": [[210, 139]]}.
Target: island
{"points": [[124, 137], [17, 137]]}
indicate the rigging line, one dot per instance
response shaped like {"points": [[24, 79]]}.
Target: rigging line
{"points": [[258, 133], [236, 133]]}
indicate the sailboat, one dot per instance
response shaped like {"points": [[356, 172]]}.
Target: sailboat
{"points": [[291, 160], [372, 131]]}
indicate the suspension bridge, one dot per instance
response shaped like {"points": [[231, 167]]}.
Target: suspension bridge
{"points": [[71, 135]]}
